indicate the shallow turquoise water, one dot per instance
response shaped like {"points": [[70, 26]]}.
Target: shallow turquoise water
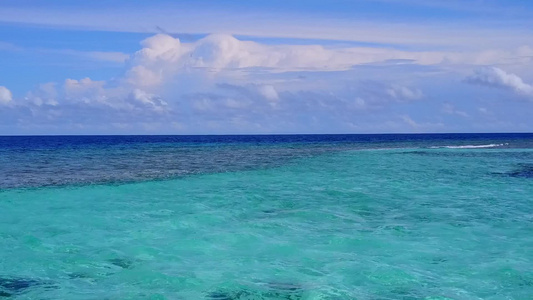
{"points": [[365, 224]]}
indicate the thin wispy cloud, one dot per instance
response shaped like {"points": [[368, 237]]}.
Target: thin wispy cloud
{"points": [[268, 23]]}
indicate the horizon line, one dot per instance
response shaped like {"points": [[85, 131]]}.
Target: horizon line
{"points": [[259, 134]]}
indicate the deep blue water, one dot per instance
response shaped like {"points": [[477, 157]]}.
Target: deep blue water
{"points": [[52, 142], [34, 161]]}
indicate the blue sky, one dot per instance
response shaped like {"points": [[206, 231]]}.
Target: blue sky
{"points": [[216, 67]]}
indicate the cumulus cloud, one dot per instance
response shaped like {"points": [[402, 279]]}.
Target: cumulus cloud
{"points": [[102, 99], [163, 56], [44, 94], [498, 78], [5, 95]]}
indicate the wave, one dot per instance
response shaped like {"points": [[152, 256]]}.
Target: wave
{"points": [[470, 146]]}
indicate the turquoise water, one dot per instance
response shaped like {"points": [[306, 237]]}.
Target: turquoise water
{"points": [[413, 223]]}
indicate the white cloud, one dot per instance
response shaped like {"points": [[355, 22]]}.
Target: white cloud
{"points": [[498, 78], [163, 56], [144, 77], [5, 95]]}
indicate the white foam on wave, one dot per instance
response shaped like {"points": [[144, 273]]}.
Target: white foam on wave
{"points": [[470, 146]]}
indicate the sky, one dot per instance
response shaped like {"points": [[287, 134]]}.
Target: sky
{"points": [[265, 67]]}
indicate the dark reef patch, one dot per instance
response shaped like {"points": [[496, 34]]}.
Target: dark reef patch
{"points": [[79, 276], [523, 171], [269, 291], [419, 152], [124, 263], [10, 286], [230, 295]]}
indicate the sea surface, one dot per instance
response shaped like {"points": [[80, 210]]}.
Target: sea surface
{"points": [[429, 216]]}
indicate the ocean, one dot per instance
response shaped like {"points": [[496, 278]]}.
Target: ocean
{"points": [[422, 216]]}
